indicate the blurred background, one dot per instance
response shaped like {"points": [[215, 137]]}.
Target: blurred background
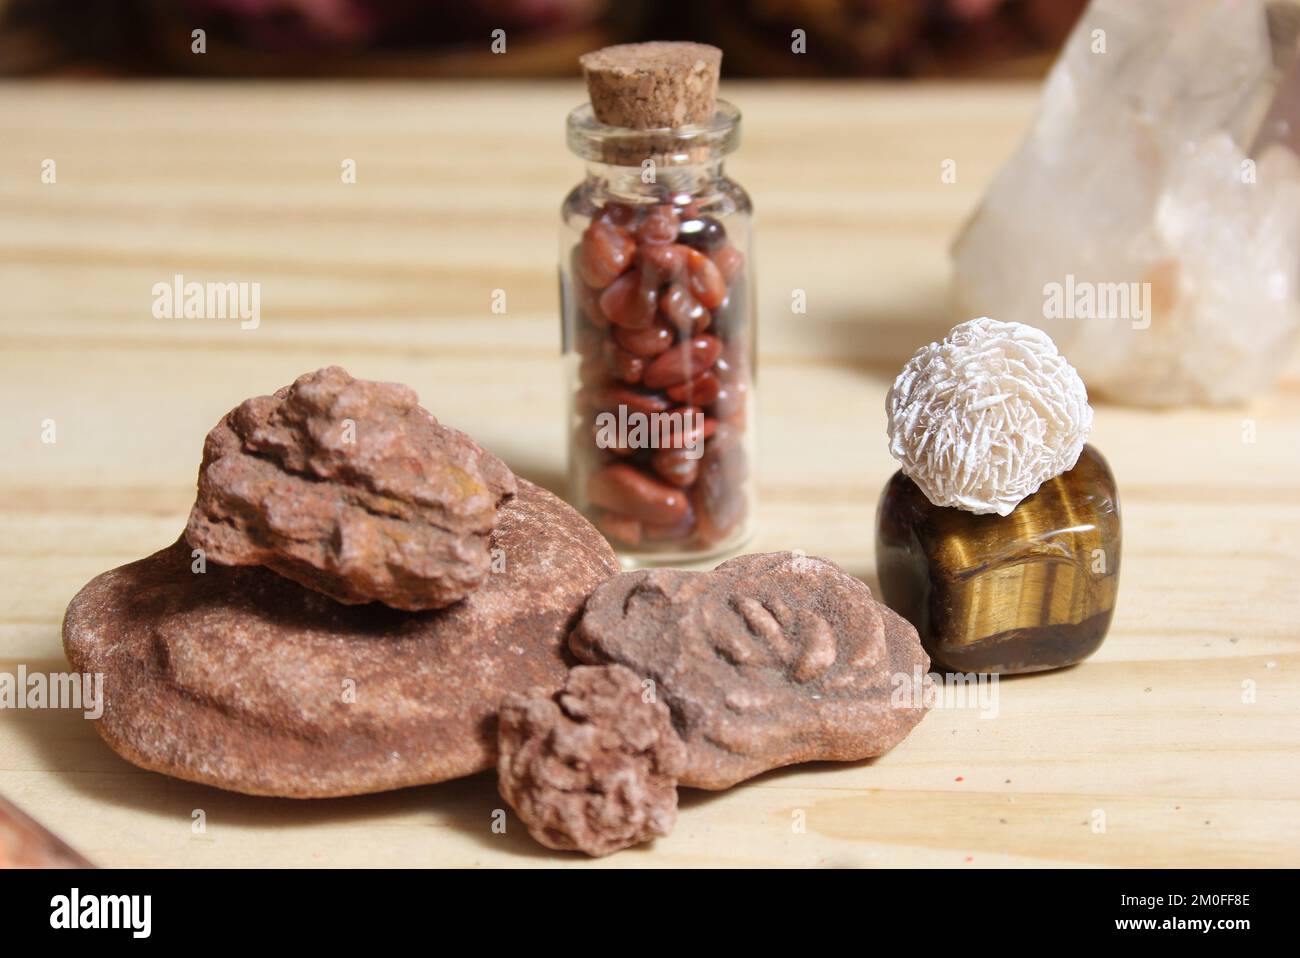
{"points": [[413, 38]]}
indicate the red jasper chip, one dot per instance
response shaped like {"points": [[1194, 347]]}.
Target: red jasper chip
{"points": [[722, 436], [646, 343], [624, 489], [659, 226], [702, 390], [684, 361], [657, 298], [599, 439], [623, 364], [718, 497], [594, 371], [619, 214], [730, 262], [606, 253], [622, 529], [730, 401], [683, 310], [680, 467], [662, 264], [589, 303], [689, 431], [677, 532], [609, 398], [588, 341], [704, 280], [629, 303]]}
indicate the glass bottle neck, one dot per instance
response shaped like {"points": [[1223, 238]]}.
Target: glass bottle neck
{"points": [[650, 183], [641, 166]]}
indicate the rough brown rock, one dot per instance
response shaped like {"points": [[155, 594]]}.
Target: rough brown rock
{"points": [[768, 660], [242, 679], [594, 767], [352, 489]]}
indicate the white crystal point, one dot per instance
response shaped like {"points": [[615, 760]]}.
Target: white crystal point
{"points": [[982, 419], [1131, 224]]}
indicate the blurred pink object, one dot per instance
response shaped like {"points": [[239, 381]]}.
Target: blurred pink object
{"points": [[289, 24], [347, 21], [973, 9], [26, 844]]}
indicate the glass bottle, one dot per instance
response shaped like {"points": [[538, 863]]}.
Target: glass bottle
{"points": [[656, 284]]}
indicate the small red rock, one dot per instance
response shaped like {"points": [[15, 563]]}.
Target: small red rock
{"points": [[705, 280], [622, 529], [594, 767], [662, 264], [606, 252], [659, 227], [623, 488], [700, 391], [730, 401], [646, 343], [676, 466], [683, 310], [730, 262], [608, 399], [623, 364], [684, 361], [628, 302], [619, 214]]}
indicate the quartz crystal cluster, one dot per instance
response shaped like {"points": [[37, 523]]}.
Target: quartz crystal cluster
{"points": [[1150, 222], [982, 419]]}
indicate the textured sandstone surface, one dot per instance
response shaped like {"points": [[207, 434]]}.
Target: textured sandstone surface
{"points": [[594, 767], [352, 489], [768, 660], [243, 679]]}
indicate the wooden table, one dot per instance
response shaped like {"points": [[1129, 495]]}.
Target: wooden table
{"points": [[457, 194]]}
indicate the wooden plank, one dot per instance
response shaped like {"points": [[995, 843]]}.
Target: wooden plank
{"points": [[457, 195]]}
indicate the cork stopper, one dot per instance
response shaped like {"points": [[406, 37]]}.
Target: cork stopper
{"points": [[649, 86]]}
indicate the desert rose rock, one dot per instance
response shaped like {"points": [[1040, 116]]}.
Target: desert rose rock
{"points": [[240, 678], [352, 489], [768, 660], [593, 767]]}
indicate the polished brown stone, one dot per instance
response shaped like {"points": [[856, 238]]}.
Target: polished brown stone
{"points": [[1025, 592]]}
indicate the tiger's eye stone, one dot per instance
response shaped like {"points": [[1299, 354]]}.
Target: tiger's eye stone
{"points": [[1030, 591]]}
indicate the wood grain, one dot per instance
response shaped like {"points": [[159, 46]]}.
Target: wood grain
{"points": [[457, 194]]}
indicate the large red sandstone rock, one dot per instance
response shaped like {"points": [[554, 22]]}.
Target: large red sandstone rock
{"points": [[243, 679]]}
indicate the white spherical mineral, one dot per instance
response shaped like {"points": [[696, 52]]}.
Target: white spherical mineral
{"points": [[982, 419]]}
